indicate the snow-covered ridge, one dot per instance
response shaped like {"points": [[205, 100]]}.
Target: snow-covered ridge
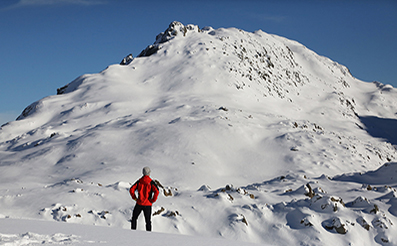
{"points": [[252, 136]]}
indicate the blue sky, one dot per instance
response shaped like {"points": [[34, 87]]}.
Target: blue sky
{"points": [[45, 44]]}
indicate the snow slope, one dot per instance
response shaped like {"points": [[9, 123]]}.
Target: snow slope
{"points": [[253, 137], [48, 233]]}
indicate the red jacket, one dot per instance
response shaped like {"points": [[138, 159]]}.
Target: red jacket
{"points": [[147, 191]]}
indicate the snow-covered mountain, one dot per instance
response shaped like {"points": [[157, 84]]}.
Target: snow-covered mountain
{"points": [[251, 136]]}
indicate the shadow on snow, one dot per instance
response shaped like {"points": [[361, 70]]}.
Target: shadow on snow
{"points": [[381, 128]]}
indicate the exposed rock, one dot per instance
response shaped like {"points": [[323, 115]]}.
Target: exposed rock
{"points": [[385, 240], [306, 222], [363, 223], [374, 210], [166, 191], [150, 50], [309, 191], [244, 220], [326, 203], [30, 110], [127, 60], [359, 202], [336, 225], [174, 29], [172, 214], [162, 209], [204, 188], [61, 90], [238, 218]]}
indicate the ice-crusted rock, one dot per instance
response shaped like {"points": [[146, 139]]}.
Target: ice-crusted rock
{"points": [[127, 60], [175, 29], [335, 224], [29, 110], [71, 86], [361, 221], [325, 203], [359, 202]]}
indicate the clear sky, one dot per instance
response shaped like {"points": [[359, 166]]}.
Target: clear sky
{"points": [[45, 44]]}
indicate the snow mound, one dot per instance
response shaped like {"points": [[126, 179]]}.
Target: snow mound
{"points": [[30, 238]]}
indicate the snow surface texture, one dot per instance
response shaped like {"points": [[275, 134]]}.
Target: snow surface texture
{"points": [[47, 233], [251, 136]]}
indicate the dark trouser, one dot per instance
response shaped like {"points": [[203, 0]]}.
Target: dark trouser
{"points": [[147, 212]]}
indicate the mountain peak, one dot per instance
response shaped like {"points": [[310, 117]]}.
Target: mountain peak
{"points": [[175, 29], [293, 131]]}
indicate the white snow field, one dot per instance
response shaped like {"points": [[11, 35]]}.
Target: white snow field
{"points": [[52, 233], [251, 136]]}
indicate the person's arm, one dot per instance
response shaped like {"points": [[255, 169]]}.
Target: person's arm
{"points": [[132, 191], [155, 191]]}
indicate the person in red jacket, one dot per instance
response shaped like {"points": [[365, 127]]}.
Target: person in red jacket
{"points": [[147, 194]]}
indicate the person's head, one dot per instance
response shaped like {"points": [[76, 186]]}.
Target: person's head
{"points": [[146, 171]]}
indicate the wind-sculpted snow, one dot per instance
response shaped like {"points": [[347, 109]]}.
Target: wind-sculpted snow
{"points": [[251, 137]]}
